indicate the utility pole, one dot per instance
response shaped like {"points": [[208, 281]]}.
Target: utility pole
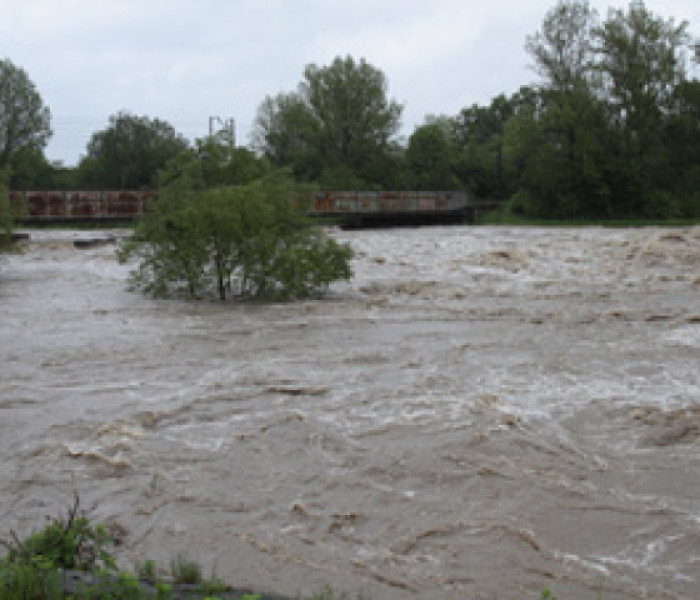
{"points": [[228, 125]]}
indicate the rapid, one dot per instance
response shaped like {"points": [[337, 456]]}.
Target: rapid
{"points": [[479, 413]]}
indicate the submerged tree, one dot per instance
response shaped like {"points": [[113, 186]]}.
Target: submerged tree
{"points": [[249, 241]]}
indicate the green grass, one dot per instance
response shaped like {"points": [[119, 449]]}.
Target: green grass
{"points": [[184, 570]]}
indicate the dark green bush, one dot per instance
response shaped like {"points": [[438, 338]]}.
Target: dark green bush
{"points": [[250, 241], [69, 542]]}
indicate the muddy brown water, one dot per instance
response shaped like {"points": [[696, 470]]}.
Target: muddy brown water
{"points": [[479, 413]]}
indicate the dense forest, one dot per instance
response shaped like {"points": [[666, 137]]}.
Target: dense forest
{"points": [[610, 130]]}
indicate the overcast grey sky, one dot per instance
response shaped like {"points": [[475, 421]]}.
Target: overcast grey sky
{"points": [[186, 60]]}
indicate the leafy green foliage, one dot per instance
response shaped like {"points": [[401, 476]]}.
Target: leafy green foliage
{"points": [[562, 173], [480, 139], [31, 170], [682, 134], [65, 543], [122, 587], [215, 161], [611, 132], [129, 153], [213, 586], [184, 570], [546, 594], [284, 133], [328, 593], [34, 581], [24, 120], [612, 116], [248, 241], [31, 569], [146, 570], [430, 157], [335, 128], [642, 57]]}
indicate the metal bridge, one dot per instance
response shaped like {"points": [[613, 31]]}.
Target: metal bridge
{"points": [[346, 208]]}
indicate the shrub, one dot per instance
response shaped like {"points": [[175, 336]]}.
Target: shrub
{"points": [[36, 580], [65, 543], [247, 241], [32, 568]]}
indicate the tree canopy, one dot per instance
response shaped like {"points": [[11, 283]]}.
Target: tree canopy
{"points": [[479, 132], [24, 120], [335, 128], [430, 157], [129, 153], [609, 130], [599, 145]]}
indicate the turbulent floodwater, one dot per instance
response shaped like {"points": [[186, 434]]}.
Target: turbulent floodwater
{"points": [[479, 413]]}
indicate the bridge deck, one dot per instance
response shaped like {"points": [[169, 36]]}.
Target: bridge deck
{"points": [[346, 208]]}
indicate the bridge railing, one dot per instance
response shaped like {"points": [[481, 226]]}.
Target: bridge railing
{"points": [[333, 203], [43, 205]]}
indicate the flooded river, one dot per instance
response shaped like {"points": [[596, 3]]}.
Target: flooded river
{"points": [[478, 414]]}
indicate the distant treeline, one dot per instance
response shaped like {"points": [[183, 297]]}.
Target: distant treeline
{"points": [[611, 130]]}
